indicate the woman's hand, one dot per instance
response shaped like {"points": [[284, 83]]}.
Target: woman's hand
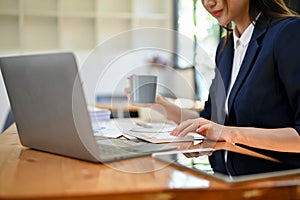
{"points": [[159, 99], [171, 111], [204, 127]]}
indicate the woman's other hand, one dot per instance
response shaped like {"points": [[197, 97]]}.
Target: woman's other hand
{"points": [[159, 98]]}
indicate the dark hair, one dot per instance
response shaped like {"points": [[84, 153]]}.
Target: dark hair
{"points": [[276, 9]]}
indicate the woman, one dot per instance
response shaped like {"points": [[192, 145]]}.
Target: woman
{"points": [[255, 97]]}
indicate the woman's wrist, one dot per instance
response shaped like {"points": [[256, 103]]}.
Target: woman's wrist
{"points": [[231, 134], [163, 102]]}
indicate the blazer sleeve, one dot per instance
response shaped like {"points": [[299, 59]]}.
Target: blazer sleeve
{"points": [[206, 112], [287, 55]]}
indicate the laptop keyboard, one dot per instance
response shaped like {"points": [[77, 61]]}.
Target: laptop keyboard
{"points": [[117, 149], [119, 142], [110, 150]]}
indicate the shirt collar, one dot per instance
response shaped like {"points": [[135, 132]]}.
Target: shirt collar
{"points": [[245, 37]]}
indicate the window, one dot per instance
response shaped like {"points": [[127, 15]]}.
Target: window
{"points": [[196, 43], [195, 23]]}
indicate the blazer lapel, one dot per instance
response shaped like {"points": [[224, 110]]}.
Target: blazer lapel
{"points": [[225, 64], [247, 63]]}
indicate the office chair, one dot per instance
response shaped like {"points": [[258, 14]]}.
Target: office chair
{"points": [[9, 121]]}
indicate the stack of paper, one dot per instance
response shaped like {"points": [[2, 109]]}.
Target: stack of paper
{"points": [[160, 133], [99, 118], [99, 115]]}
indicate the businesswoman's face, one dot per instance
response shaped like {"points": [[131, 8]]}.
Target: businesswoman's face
{"points": [[226, 11]]}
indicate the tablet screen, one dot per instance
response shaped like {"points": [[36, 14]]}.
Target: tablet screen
{"points": [[197, 160]]}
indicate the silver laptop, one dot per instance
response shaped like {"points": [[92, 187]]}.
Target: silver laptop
{"points": [[50, 110]]}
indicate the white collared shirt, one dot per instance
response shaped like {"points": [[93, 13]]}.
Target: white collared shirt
{"points": [[240, 48]]}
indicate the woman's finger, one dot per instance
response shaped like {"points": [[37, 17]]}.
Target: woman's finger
{"points": [[203, 130], [185, 127], [180, 128]]}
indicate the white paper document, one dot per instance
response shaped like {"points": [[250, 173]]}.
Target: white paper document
{"points": [[153, 128], [151, 132], [160, 133]]}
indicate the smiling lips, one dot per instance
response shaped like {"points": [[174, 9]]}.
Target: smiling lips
{"points": [[217, 13]]}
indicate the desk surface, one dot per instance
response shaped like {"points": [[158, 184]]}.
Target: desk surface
{"points": [[30, 174], [116, 107]]}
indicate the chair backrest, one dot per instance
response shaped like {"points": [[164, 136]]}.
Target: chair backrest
{"points": [[9, 121]]}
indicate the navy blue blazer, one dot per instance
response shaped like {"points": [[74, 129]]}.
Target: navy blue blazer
{"points": [[266, 93]]}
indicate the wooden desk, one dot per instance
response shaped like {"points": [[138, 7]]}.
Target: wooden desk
{"points": [[120, 110], [30, 174], [116, 107]]}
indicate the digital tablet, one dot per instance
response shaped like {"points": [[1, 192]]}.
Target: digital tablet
{"points": [[197, 161]]}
